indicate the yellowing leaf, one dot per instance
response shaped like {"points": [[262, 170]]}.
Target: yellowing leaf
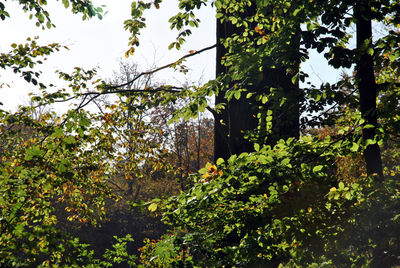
{"points": [[153, 207]]}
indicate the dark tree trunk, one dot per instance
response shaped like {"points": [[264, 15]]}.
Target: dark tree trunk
{"points": [[237, 117], [240, 116], [285, 121], [367, 86]]}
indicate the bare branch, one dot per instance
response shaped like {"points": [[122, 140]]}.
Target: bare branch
{"points": [[192, 53]]}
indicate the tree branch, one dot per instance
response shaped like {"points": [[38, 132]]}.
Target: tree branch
{"points": [[110, 89], [192, 53]]}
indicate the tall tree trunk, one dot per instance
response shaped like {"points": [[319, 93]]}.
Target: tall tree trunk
{"points": [[285, 121], [237, 117], [367, 86], [240, 116]]}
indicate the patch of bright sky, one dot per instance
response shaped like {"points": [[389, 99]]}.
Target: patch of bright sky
{"points": [[101, 43]]}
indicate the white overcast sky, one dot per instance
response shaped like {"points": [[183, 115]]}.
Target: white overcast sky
{"points": [[100, 43]]}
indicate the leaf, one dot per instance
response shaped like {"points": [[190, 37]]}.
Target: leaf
{"points": [[152, 207], [61, 168], [317, 168], [32, 152], [256, 147], [220, 161], [355, 147], [218, 4], [264, 99], [285, 161], [328, 206], [296, 11], [69, 140], [65, 3]]}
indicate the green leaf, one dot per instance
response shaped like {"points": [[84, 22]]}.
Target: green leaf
{"points": [[153, 207], [40, 17], [61, 168], [264, 99], [296, 11], [328, 206], [171, 46], [220, 161], [237, 95], [285, 161], [69, 140], [32, 152], [355, 147], [218, 4], [58, 132], [317, 168], [65, 3]]}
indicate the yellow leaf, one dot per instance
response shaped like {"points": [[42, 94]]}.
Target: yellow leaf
{"points": [[212, 169], [206, 176]]}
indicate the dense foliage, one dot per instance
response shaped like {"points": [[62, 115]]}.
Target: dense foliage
{"points": [[326, 198]]}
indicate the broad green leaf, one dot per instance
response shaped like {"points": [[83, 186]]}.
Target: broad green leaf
{"points": [[317, 168]]}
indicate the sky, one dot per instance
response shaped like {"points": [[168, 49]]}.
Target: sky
{"points": [[102, 43]]}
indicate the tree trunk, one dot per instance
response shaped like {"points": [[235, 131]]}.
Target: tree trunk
{"points": [[240, 116], [367, 86]]}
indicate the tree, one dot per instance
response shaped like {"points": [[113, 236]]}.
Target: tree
{"points": [[367, 86], [50, 164]]}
